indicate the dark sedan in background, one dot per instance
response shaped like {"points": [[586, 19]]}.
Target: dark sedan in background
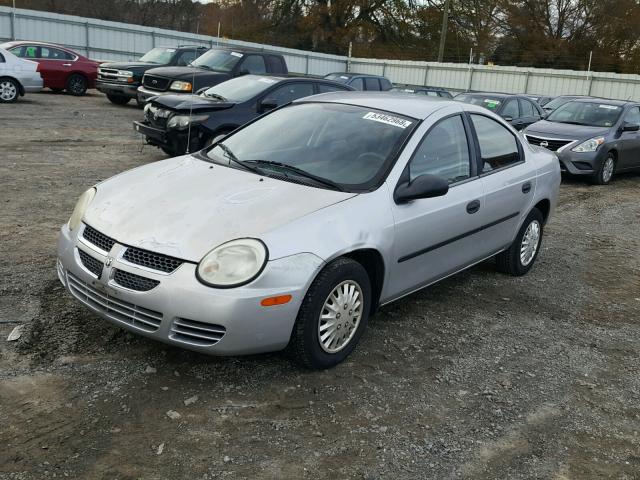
{"points": [[592, 137], [221, 109], [423, 90], [518, 110], [361, 81], [557, 102], [120, 80]]}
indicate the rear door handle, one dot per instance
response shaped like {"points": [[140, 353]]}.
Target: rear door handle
{"points": [[526, 187], [473, 207]]}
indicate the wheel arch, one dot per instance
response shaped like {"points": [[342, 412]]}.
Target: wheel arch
{"points": [[544, 206], [373, 262]]}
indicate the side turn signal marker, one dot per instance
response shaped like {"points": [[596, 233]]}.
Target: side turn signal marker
{"points": [[273, 301]]}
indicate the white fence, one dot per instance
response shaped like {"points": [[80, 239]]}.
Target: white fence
{"points": [[120, 41]]}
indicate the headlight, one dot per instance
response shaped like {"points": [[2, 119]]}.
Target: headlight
{"points": [[147, 107], [81, 207], [233, 263], [590, 145], [180, 86], [125, 73], [183, 121]]}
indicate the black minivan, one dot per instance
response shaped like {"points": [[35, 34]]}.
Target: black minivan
{"points": [[181, 124]]}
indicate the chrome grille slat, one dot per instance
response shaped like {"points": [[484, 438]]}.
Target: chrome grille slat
{"points": [[120, 310], [198, 333], [553, 144]]}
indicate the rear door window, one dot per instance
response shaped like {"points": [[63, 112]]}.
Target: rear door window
{"points": [[324, 88], [498, 146], [510, 109], [527, 108], [385, 84], [290, 92], [371, 84], [633, 116], [357, 83]]}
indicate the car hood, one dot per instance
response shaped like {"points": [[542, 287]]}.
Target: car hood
{"points": [[184, 73], [132, 66], [184, 206], [564, 130], [191, 102]]}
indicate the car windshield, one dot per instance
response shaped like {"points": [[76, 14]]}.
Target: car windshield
{"points": [[345, 145], [159, 55], [556, 103], [593, 114], [491, 103], [240, 89], [218, 60], [337, 77]]}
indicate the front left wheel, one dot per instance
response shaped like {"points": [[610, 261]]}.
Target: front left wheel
{"points": [[333, 316], [76, 85]]}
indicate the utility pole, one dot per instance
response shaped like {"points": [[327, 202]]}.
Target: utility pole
{"points": [[443, 33]]}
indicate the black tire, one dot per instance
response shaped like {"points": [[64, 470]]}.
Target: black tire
{"points": [[305, 345], [510, 260], [170, 151], [9, 90], [118, 99], [76, 85], [604, 175]]}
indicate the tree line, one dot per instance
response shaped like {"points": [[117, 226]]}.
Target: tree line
{"points": [[531, 33]]}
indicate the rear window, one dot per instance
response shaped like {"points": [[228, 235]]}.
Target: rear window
{"points": [[371, 84], [490, 103]]}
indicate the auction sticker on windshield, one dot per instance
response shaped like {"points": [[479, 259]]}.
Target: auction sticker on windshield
{"points": [[388, 119], [609, 107], [236, 54]]}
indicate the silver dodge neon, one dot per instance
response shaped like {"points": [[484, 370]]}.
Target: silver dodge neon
{"points": [[291, 231]]}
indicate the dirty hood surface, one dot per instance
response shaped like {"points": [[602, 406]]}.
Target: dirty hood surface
{"points": [[184, 206]]}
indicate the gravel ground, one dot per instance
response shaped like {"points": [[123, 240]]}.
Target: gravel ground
{"points": [[482, 376]]}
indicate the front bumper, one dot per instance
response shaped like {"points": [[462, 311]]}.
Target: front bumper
{"points": [[112, 88], [174, 140], [241, 324], [587, 163]]}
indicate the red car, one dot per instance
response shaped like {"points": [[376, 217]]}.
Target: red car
{"points": [[61, 68]]}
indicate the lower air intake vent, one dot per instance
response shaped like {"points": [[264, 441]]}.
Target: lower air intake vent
{"points": [[90, 263], [134, 282], [196, 333]]}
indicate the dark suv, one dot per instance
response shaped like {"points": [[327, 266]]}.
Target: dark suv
{"points": [[221, 109], [361, 81], [421, 90], [120, 80], [213, 67], [519, 110]]}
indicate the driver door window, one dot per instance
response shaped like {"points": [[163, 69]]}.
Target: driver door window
{"points": [[290, 92], [633, 116], [254, 64], [444, 152]]}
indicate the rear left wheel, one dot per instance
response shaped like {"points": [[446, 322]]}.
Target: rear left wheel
{"points": [[9, 90], [76, 85], [118, 99], [333, 315], [518, 259]]}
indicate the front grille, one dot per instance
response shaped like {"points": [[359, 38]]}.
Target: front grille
{"points": [[98, 239], [90, 263], [133, 281], [196, 333], [117, 309], [152, 260], [553, 145], [153, 82]]}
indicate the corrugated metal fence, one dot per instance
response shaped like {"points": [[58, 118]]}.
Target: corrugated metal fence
{"points": [[120, 41]]}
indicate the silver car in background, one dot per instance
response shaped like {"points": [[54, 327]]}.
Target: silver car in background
{"points": [[294, 229], [17, 76]]}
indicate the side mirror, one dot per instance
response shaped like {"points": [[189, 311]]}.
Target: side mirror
{"points": [[508, 119], [424, 186], [630, 127], [267, 104]]}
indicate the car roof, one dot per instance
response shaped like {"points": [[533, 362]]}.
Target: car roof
{"points": [[495, 95], [396, 102], [352, 74], [606, 101], [47, 44], [420, 87]]}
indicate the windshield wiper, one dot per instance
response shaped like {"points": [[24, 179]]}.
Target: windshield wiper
{"points": [[231, 156], [300, 172], [575, 123]]}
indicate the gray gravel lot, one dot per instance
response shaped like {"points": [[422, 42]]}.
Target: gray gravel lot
{"points": [[481, 377]]}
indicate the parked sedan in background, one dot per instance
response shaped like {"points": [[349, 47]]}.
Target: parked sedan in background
{"points": [[17, 77], [120, 80], [560, 101], [61, 68], [361, 81], [295, 228], [418, 90], [592, 137], [221, 109], [211, 68], [518, 110]]}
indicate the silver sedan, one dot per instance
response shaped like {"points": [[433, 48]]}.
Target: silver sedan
{"points": [[17, 76], [292, 231]]}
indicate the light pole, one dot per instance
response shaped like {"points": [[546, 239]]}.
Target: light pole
{"points": [[443, 33]]}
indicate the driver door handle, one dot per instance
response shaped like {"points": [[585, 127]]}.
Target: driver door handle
{"points": [[473, 207], [66, 64]]}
